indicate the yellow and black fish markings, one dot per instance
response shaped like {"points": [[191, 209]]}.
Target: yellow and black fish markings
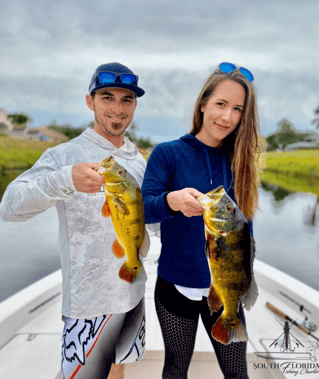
{"points": [[231, 251], [124, 204]]}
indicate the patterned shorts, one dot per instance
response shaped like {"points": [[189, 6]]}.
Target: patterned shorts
{"points": [[90, 346]]}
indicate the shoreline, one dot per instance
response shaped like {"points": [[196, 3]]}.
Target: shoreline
{"points": [[302, 163]]}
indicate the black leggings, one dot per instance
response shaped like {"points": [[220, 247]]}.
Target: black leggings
{"points": [[178, 317]]}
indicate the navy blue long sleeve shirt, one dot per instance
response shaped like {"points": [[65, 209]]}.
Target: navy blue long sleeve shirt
{"points": [[172, 166]]}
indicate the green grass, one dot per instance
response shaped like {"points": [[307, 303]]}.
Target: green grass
{"points": [[20, 154], [292, 183], [298, 163]]}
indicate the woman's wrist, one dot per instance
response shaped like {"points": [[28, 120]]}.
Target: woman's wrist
{"points": [[171, 211]]}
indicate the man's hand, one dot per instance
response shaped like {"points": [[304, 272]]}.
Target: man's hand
{"points": [[186, 201], [86, 178]]}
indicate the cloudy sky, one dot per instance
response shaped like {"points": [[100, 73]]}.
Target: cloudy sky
{"points": [[50, 49]]}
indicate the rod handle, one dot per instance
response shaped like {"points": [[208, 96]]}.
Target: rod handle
{"points": [[286, 317], [276, 310]]}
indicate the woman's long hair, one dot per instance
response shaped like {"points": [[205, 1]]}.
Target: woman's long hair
{"points": [[241, 144]]}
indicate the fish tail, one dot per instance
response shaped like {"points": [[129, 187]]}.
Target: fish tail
{"points": [[128, 272], [227, 333]]}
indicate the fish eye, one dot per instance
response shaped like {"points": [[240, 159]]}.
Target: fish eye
{"points": [[121, 172], [229, 208]]}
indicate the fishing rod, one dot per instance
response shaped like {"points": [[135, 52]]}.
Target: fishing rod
{"points": [[286, 317], [302, 308]]}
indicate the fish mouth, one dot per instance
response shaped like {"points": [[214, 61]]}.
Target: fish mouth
{"points": [[108, 162], [217, 189]]}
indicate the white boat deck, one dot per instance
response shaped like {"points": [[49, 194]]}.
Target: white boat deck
{"points": [[31, 328]]}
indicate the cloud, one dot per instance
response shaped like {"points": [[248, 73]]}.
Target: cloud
{"points": [[49, 51]]}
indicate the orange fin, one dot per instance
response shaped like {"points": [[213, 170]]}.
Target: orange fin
{"points": [[213, 300], [126, 273], [220, 332], [234, 333], [118, 250], [106, 212]]}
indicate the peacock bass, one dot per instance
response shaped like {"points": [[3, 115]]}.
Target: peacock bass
{"points": [[124, 204], [231, 251]]}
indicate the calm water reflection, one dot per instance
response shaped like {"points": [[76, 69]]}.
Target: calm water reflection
{"points": [[28, 251], [286, 229]]}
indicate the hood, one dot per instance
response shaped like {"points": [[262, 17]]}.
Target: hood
{"points": [[191, 140], [127, 151]]}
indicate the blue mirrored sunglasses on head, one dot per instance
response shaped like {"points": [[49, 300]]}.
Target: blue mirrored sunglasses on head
{"points": [[229, 67], [110, 77]]}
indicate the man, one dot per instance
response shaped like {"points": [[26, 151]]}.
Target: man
{"points": [[103, 315]]}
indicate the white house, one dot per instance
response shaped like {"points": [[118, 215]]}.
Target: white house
{"points": [[22, 131], [6, 126]]}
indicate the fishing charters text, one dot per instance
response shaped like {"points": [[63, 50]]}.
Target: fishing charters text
{"points": [[292, 368]]}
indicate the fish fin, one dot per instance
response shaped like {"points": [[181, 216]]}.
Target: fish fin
{"points": [[211, 246], [121, 206], [146, 244], [207, 249], [106, 211], [226, 335], [213, 300], [250, 297], [117, 249]]}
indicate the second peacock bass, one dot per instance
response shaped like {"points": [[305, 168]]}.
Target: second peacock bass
{"points": [[231, 251]]}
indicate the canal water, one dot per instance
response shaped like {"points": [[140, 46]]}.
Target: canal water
{"points": [[286, 230]]}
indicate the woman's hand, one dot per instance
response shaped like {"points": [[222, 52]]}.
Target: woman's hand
{"points": [[186, 201]]}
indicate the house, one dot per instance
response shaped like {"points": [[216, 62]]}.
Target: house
{"points": [[18, 131], [33, 134], [51, 135], [310, 142], [302, 146], [6, 125], [44, 134], [22, 131]]}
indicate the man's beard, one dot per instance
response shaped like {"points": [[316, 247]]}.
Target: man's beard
{"points": [[116, 125], [114, 129]]}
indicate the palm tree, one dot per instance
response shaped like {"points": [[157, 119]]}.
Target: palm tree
{"points": [[315, 121]]}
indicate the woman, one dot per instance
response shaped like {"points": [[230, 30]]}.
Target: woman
{"points": [[219, 150]]}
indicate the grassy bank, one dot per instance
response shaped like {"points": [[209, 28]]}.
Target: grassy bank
{"points": [[297, 163], [292, 183], [20, 154]]}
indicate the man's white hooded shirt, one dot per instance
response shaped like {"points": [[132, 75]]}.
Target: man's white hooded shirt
{"points": [[91, 285]]}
